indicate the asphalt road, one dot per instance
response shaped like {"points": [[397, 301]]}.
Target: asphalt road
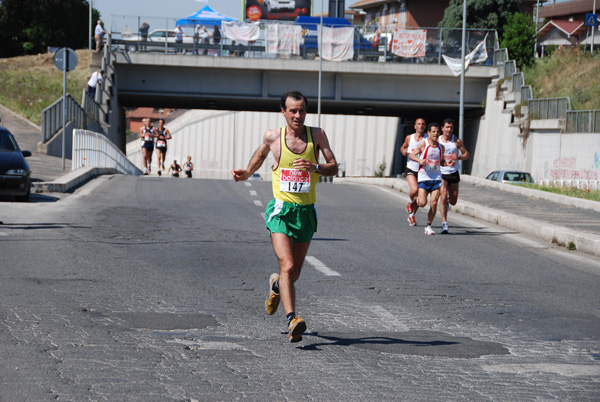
{"points": [[152, 289]]}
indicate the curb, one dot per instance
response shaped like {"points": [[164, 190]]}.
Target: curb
{"points": [[71, 180], [585, 242]]}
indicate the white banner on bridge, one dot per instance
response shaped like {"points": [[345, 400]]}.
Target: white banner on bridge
{"points": [[478, 55], [409, 42], [283, 38], [338, 43], [237, 30]]}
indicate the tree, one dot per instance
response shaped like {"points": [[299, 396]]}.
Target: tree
{"points": [[481, 14], [30, 26], [519, 39]]}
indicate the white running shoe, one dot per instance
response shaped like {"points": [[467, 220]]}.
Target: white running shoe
{"points": [[444, 228], [411, 220], [429, 230]]}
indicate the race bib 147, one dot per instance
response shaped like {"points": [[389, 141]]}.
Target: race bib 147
{"points": [[294, 181]]}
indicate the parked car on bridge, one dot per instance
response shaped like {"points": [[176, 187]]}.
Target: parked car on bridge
{"points": [[156, 38], [511, 176], [15, 175]]}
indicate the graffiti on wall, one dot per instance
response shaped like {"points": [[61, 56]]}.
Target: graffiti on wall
{"points": [[566, 169]]}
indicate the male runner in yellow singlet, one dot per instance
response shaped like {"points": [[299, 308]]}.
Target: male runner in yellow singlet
{"points": [[291, 217]]}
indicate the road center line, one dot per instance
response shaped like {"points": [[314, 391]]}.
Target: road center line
{"points": [[319, 266], [247, 184], [258, 203], [253, 193]]}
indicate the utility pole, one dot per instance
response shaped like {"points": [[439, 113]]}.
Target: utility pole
{"points": [[461, 123], [593, 30], [537, 18], [90, 29], [320, 65]]}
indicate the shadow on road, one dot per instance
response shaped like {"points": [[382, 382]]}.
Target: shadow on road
{"points": [[369, 340]]}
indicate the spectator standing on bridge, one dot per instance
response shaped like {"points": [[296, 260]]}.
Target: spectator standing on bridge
{"points": [[98, 35], [291, 217], [216, 35], [147, 134], [188, 166], [429, 154], [204, 39], [178, 39], [163, 134], [412, 168], [144, 35], [450, 174], [96, 78], [174, 169]]}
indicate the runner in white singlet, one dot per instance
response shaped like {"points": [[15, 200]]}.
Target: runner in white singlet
{"points": [[450, 174], [429, 156], [412, 167]]}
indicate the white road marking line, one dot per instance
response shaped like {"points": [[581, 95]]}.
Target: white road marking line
{"points": [[253, 193], [247, 184], [566, 370], [389, 318], [319, 266], [3, 233], [258, 203]]}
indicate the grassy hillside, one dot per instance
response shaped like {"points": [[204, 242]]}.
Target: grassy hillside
{"points": [[32, 83], [567, 73]]}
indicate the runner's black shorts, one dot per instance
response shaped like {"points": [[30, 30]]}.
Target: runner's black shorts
{"points": [[411, 172], [451, 178]]}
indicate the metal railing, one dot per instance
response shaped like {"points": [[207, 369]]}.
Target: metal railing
{"points": [[583, 121], [91, 107], [526, 93], [500, 56], [552, 108], [52, 117], [440, 41], [92, 149], [518, 80], [510, 68]]}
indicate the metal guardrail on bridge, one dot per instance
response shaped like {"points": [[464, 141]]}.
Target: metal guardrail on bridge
{"points": [[439, 41], [52, 117]]}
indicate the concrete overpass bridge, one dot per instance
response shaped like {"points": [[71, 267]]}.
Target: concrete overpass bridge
{"points": [[255, 84]]}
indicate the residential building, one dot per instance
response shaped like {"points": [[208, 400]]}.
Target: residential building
{"points": [[411, 13], [565, 24]]}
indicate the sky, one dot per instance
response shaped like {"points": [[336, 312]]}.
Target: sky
{"points": [[182, 8], [164, 8]]}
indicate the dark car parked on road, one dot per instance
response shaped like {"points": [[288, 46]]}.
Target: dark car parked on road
{"points": [[15, 175]]}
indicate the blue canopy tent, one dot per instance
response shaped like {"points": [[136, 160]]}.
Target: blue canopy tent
{"points": [[206, 16]]}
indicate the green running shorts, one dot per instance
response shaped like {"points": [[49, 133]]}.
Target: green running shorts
{"points": [[296, 221]]}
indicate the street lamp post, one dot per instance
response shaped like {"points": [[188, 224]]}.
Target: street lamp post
{"points": [[320, 66], [537, 17], [90, 28], [593, 30], [461, 122]]}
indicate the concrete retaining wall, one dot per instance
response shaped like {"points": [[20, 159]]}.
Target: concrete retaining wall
{"points": [[219, 141], [543, 149]]}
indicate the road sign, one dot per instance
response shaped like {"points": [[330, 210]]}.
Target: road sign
{"points": [[71, 59], [591, 20]]}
